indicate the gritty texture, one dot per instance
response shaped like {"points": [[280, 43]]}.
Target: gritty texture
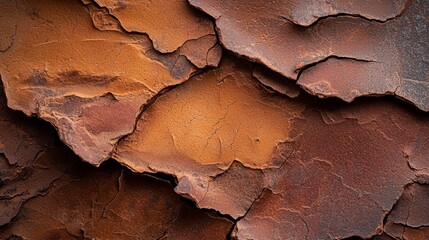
{"points": [[109, 203], [197, 130], [343, 54], [409, 218], [304, 179], [169, 23], [90, 84], [316, 194], [23, 153], [207, 119], [46, 192]]}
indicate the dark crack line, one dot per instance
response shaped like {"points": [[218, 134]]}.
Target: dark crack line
{"points": [[351, 15], [234, 227], [143, 109], [301, 69], [14, 31], [164, 234], [120, 178]]}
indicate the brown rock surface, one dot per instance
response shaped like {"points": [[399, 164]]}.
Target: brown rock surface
{"points": [[23, 154], [346, 172], [90, 84], [412, 208], [341, 56], [47, 193], [307, 12], [276, 81], [409, 220], [198, 130], [201, 52], [169, 23], [22, 183], [309, 170], [143, 82], [109, 203]]}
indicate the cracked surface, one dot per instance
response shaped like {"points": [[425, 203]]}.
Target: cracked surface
{"points": [[214, 144], [346, 172], [409, 218], [155, 18], [307, 12], [23, 154], [308, 182], [46, 192], [198, 129], [90, 84], [109, 203], [276, 81], [340, 56]]}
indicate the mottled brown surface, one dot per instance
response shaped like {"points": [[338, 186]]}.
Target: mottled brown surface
{"points": [[198, 129], [169, 23], [46, 192], [409, 220], [346, 172], [276, 81], [21, 138], [109, 203], [23, 154], [411, 208], [339, 56], [310, 170], [305, 12], [201, 52], [90, 84], [214, 144]]}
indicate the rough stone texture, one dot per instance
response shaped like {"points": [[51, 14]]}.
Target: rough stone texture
{"points": [[109, 203], [90, 84], [397, 231], [339, 56], [309, 172], [346, 172], [276, 81], [46, 192], [411, 208], [23, 153], [197, 130], [409, 218], [169, 23], [201, 52], [213, 145]]}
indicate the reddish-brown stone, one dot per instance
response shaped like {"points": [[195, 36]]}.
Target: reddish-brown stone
{"points": [[347, 170], [108, 203], [198, 130], [169, 23], [90, 84], [276, 81], [143, 82], [337, 56]]}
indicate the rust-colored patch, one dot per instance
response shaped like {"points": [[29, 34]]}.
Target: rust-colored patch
{"points": [[198, 129], [409, 219], [338, 56], [347, 170], [23, 152], [411, 209], [73, 75], [107, 203], [169, 23], [143, 82]]}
